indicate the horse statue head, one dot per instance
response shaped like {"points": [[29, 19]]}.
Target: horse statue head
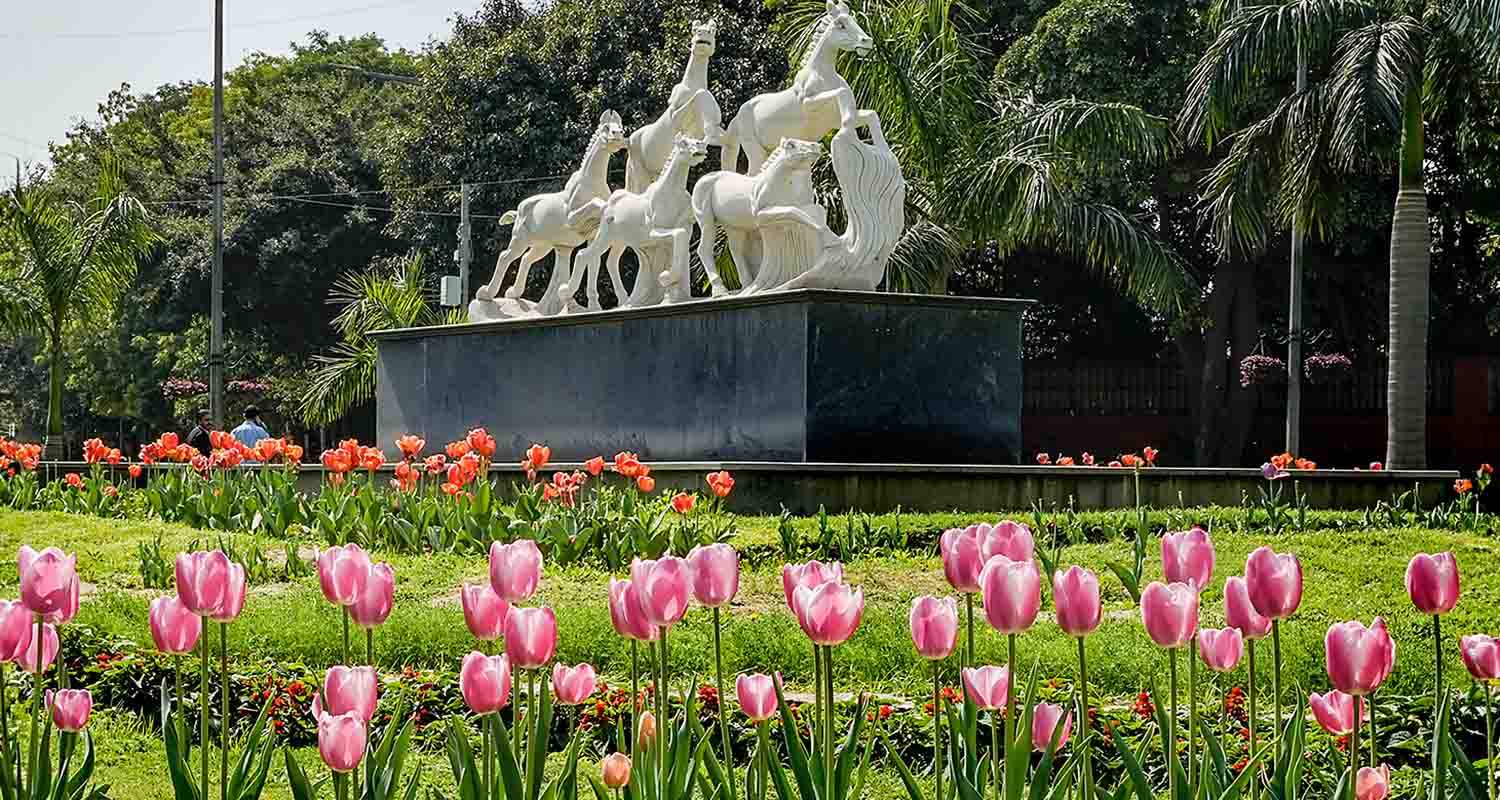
{"points": [[691, 151], [610, 134], [841, 30], [705, 37]]}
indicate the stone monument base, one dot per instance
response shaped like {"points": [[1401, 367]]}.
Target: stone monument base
{"points": [[810, 375]]}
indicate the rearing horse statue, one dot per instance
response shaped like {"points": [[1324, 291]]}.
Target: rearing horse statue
{"points": [[818, 101]]}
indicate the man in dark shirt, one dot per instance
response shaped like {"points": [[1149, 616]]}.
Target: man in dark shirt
{"points": [[198, 437]]}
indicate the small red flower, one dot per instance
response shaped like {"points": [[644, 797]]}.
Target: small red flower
{"points": [[646, 484], [1087, 458], [595, 465], [722, 483], [1043, 459], [74, 480], [134, 471], [1462, 485], [1150, 453], [1376, 466], [1065, 461], [683, 502]]}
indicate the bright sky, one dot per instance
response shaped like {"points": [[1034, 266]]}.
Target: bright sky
{"points": [[60, 58]]}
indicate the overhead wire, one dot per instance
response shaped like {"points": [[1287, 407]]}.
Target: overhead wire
{"points": [[199, 29]]}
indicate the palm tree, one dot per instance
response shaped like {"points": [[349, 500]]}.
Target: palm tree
{"points": [[1381, 71], [72, 262], [377, 298]]}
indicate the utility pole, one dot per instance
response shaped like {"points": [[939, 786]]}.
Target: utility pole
{"points": [[216, 291], [465, 248], [1294, 313]]}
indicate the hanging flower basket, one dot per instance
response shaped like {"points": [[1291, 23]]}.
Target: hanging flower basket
{"points": [[181, 388], [1324, 368], [1262, 370]]}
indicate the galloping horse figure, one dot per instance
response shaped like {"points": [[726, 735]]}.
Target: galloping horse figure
{"points": [[657, 224], [558, 222], [691, 111], [818, 101]]}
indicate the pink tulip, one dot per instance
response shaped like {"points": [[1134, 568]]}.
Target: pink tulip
{"points": [[626, 613], [573, 685], [341, 741], [716, 573], [1221, 648], [485, 682], [1012, 593], [1358, 658], [829, 613], [374, 603], [515, 569], [813, 573], [1240, 613], [645, 734], [70, 709], [349, 690], [1044, 721], [49, 583], [1432, 582], [614, 770], [234, 595], [665, 585], [1075, 592], [36, 662], [1481, 655], [1371, 783], [1170, 612], [202, 581], [17, 624], [988, 687], [1006, 538], [1274, 581], [934, 626], [484, 611], [530, 636], [1334, 711], [174, 627], [1188, 557], [757, 696], [962, 561], [342, 572]]}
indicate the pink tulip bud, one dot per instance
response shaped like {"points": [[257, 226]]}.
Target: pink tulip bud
{"points": [[202, 581], [573, 685], [665, 586], [614, 770], [70, 709], [934, 626], [234, 595], [484, 611], [813, 573], [1188, 558], [1170, 612], [341, 741], [1358, 658], [174, 627], [1044, 720], [1221, 648], [342, 572], [962, 562], [1371, 783], [42, 651], [1240, 613], [1274, 581], [49, 583], [757, 695], [485, 682], [349, 690], [1012, 593], [1334, 711], [17, 624], [515, 569], [1432, 582], [530, 636], [645, 735], [626, 613], [716, 573], [1075, 592], [988, 687], [1481, 655], [1006, 538], [374, 603], [829, 613]]}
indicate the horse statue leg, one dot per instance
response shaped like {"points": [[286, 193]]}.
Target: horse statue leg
{"points": [[613, 264], [533, 254], [488, 291], [586, 265], [676, 278]]}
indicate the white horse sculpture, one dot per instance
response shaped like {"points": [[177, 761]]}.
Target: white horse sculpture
{"points": [[657, 224], [818, 100], [558, 222], [751, 207], [691, 111]]}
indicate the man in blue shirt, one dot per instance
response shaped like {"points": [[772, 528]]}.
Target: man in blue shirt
{"points": [[250, 431]]}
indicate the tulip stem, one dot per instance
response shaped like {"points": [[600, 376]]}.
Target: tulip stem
{"points": [[663, 723], [346, 635], [1010, 692], [1354, 747], [370, 646], [817, 722], [489, 755], [1371, 708], [39, 647], [1087, 786], [1173, 765], [224, 710], [723, 703], [1489, 737], [1437, 658], [994, 752], [1254, 784], [340, 786], [203, 646], [1276, 686], [828, 728], [969, 614], [4, 713], [1192, 726], [937, 732], [635, 698]]}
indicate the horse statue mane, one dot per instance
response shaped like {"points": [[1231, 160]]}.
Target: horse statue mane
{"points": [[820, 30], [772, 158], [601, 130]]}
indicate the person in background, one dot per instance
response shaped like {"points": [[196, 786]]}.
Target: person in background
{"points": [[250, 431], [198, 436]]}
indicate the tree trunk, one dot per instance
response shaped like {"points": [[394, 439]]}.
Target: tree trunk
{"points": [[1406, 384], [54, 443]]}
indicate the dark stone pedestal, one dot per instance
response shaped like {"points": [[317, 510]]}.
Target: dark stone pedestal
{"points": [[801, 376]]}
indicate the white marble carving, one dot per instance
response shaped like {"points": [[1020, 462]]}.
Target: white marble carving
{"points": [[691, 111], [657, 224]]}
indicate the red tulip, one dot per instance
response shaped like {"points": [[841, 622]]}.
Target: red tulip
{"points": [[829, 613], [342, 572], [1188, 557], [682, 502], [1334, 711], [626, 613], [1075, 592], [1358, 658], [614, 770], [410, 446], [716, 573], [1481, 655], [1006, 538], [42, 651], [595, 466], [49, 583], [374, 604], [17, 625], [1274, 581], [934, 626], [484, 682], [813, 573], [1432, 582], [134, 471], [988, 687], [665, 585], [962, 563], [70, 709], [757, 696], [203, 581], [341, 741], [721, 482], [349, 690], [1044, 722], [174, 627], [484, 611], [1240, 613], [1371, 783], [515, 569], [1012, 594], [1221, 648], [234, 595], [530, 636], [1170, 612], [573, 685]]}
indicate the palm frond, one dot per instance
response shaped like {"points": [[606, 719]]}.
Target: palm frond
{"points": [[924, 254], [1094, 133], [1374, 68], [1477, 23], [342, 379]]}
